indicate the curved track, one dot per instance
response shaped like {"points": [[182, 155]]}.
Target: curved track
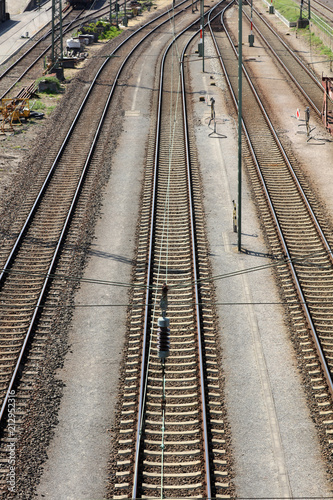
{"points": [[24, 66]]}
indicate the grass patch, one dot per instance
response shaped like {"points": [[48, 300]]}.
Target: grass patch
{"points": [[291, 12], [102, 29], [50, 109], [112, 32], [37, 105], [317, 43], [288, 9]]}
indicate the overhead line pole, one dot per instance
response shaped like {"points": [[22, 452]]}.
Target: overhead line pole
{"points": [[202, 31], [240, 57]]}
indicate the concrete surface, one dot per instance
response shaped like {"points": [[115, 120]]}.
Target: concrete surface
{"points": [[15, 7], [20, 24]]}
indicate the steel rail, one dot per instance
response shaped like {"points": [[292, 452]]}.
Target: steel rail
{"points": [[196, 287], [324, 6], [48, 48], [285, 156], [30, 49], [70, 131], [286, 46], [278, 58], [19, 239], [289, 260], [321, 4], [68, 28], [148, 290]]}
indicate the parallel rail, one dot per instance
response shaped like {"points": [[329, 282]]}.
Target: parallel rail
{"points": [[172, 177], [178, 436], [323, 9], [13, 73], [295, 234], [306, 82], [30, 251], [21, 67]]}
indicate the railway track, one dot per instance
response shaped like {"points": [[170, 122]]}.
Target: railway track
{"points": [[323, 9], [305, 80], [27, 64], [39, 242], [297, 233], [175, 443]]}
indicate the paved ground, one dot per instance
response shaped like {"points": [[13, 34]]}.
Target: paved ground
{"points": [[21, 24], [15, 7]]}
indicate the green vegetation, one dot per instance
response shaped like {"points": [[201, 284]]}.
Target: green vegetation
{"points": [[109, 34], [288, 9], [55, 85], [291, 12], [145, 5], [43, 107], [37, 105], [50, 109], [318, 44], [102, 30]]}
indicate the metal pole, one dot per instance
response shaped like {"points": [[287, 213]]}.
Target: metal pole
{"points": [[111, 12], [309, 11], [117, 13], [240, 41], [60, 32], [251, 36], [203, 30], [53, 15]]}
